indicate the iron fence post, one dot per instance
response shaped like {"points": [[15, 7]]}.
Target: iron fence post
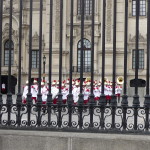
{"points": [[147, 96], [102, 100], [19, 95], [49, 96], [70, 95], [91, 97], [59, 102], [29, 95], [124, 102], [1, 19], [136, 101]]}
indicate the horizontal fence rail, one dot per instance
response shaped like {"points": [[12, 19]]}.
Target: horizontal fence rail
{"points": [[71, 104]]}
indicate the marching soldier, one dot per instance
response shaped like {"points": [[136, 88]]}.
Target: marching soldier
{"points": [[76, 92], [54, 91], [65, 93], [34, 90], [25, 92], [97, 91], [86, 92], [119, 90], [44, 92]]}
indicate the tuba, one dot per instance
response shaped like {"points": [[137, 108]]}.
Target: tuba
{"points": [[120, 80], [87, 79], [105, 79]]}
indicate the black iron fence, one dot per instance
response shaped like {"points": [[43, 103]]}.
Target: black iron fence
{"points": [[90, 116]]}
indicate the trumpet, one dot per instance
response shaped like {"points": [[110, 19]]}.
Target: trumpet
{"points": [[120, 80]]}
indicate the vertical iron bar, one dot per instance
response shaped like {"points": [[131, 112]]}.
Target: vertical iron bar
{"points": [[39, 96], [82, 45], [29, 98], [60, 66], [102, 100], [91, 101], [124, 102], [20, 48], [30, 46], [147, 118], [49, 96], [92, 48], [19, 95], [70, 96], [136, 96], [10, 41], [136, 102], [1, 19], [40, 46], [124, 97], [113, 100], [60, 45], [137, 46], [147, 96], [44, 63], [71, 45], [80, 101], [9, 94]]}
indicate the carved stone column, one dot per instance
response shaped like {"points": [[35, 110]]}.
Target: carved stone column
{"points": [[109, 21], [57, 21]]}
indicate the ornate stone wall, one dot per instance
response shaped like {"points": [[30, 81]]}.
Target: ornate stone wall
{"points": [[57, 21], [108, 21]]}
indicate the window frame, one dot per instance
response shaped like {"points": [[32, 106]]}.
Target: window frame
{"points": [[87, 8], [37, 59], [142, 8], [12, 53], [86, 60], [140, 59]]}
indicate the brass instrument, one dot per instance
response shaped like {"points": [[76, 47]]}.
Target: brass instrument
{"points": [[120, 80], [105, 79], [88, 79]]}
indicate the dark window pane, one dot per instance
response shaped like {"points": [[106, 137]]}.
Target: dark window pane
{"points": [[142, 7], [141, 59], [87, 7], [6, 53], [35, 58], [86, 55]]}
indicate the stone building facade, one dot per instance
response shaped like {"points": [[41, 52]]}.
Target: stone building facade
{"points": [[76, 39]]}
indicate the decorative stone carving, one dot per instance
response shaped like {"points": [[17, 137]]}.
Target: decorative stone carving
{"points": [[141, 38], [109, 21], [5, 34], [6, 3], [57, 21], [35, 42]]}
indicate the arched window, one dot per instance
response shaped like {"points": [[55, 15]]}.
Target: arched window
{"points": [[87, 8], [86, 55], [6, 53]]}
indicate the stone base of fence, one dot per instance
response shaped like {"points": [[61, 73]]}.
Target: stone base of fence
{"points": [[46, 140]]}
